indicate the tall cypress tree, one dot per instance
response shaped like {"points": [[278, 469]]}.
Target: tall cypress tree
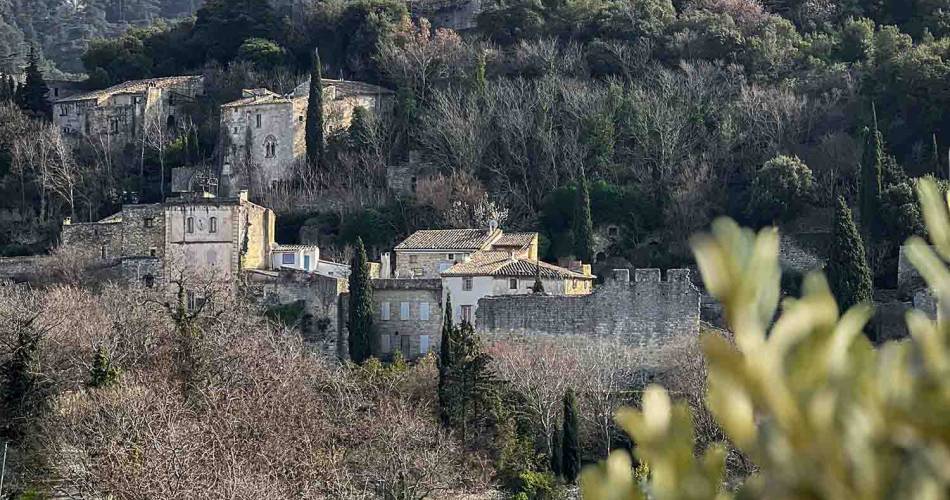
{"points": [[445, 358], [557, 461], [360, 324], [31, 97], [583, 225], [570, 444], [872, 170], [314, 131], [848, 273]]}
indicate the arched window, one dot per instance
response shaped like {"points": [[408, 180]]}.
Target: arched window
{"points": [[190, 225], [171, 123], [270, 147]]}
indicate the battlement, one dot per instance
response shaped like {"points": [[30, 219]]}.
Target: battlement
{"points": [[650, 275]]}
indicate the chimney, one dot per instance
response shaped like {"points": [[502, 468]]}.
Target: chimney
{"points": [[492, 225]]}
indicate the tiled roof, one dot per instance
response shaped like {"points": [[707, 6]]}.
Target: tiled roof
{"points": [[293, 248], [519, 240], [501, 264], [132, 87], [447, 239], [344, 88], [260, 96]]}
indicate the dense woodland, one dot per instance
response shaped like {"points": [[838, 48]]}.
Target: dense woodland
{"points": [[556, 116]]}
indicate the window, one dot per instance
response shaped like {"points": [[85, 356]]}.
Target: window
{"points": [[385, 344], [148, 221], [258, 120], [171, 99], [424, 311], [413, 183], [300, 119], [235, 130], [213, 225], [423, 344], [270, 147], [384, 311], [63, 110], [114, 125], [55, 91], [413, 259], [612, 231], [513, 284], [467, 314], [466, 283], [153, 252], [450, 256], [149, 280], [102, 251], [306, 262], [288, 258], [404, 311], [190, 225]]}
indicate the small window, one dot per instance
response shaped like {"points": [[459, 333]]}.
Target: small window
{"points": [[153, 252], [384, 311], [424, 311], [467, 314], [466, 283], [300, 119], [413, 184], [385, 344], [423, 344], [190, 225], [450, 256], [149, 221], [270, 147], [213, 225], [258, 119], [149, 280], [513, 284], [235, 130], [55, 91], [288, 258], [114, 125], [63, 110], [404, 311], [102, 251], [413, 259]]}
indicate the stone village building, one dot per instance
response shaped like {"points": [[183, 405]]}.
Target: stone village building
{"points": [[123, 114], [264, 133]]}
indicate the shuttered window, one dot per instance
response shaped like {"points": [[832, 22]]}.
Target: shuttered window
{"points": [[385, 344], [384, 311], [423, 344], [404, 311], [424, 311]]}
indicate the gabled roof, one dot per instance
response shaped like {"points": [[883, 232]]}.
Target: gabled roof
{"points": [[343, 88], [294, 248], [256, 97], [448, 239], [503, 265], [132, 87], [517, 240]]}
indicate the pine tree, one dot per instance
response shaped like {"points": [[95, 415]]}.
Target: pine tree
{"points": [[583, 225], [570, 444], [103, 373], [445, 356], [31, 96], [361, 339], [872, 167], [557, 461], [314, 132], [848, 273]]}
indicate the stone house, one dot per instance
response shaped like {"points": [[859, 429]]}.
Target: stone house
{"points": [[123, 114], [427, 253], [264, 133], [496, 274], [407, 316]]}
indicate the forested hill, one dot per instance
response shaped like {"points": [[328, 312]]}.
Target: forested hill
{"points": [[61, 29]]}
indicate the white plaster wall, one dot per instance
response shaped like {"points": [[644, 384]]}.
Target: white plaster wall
{"points": [[482, 286]]}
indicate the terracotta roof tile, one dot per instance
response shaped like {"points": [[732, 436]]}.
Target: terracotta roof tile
{"points": [[132, 87], [519, 240], [501, 264], [447, 239]]}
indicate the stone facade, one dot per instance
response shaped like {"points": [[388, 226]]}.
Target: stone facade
{"points": [[403, 179], [407, 314], [264, 133], [122, 114], [320, 296], [646, 312]]}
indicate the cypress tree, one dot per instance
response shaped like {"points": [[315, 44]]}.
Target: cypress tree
{"points": [[103, 373], [5, 94], [538, 286], [360, 133], [848, 273], [445, 358], [570, 444], [556, 458], [583, 225], [361, 307], [314, 131], [872, 167], [31, 97]]}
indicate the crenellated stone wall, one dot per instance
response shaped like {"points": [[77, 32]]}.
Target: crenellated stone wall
{"points": [[646, 311]]}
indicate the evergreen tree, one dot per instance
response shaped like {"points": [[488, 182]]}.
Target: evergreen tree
{"points": [[583, 225], [314, 132], [103, 373], [479, 82], [469, 384], [360, 133], [570, 444], [848, 272], [360, 324], [31, 96], [19, 382], [5, 93], [538, 286], [445, 356], [557, 461], [872, 166]]}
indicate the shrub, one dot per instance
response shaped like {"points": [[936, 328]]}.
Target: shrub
{"points": [[820, 412], [779, 189]]}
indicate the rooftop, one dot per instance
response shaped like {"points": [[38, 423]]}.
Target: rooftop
{"points": [[132, 87], [294, 248], [502, 264], [343, 88], [448, 239], [519, 240]]}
